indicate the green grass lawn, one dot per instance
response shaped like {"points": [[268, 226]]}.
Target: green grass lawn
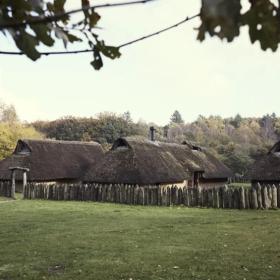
{"points": [[18, 196], [80, 240]]}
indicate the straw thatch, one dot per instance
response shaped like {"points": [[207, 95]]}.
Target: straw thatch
{"points": [[267, 168], [50, 160], [137, 161], [213, 167], [184, 155], [198, 159]]}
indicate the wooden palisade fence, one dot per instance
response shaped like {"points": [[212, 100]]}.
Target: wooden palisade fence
{"points": [[5, 189], [261, 197]]}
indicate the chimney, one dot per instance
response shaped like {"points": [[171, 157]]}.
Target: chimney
{"points": [[165, 131], [152, 133]]}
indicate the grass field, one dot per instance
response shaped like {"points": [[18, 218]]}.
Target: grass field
{"points": [[79, 240]]}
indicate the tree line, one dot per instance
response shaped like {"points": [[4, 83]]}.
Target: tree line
{"points": [[237, 141], [12, 129]]}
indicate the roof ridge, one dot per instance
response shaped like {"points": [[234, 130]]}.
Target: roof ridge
{"points": [[92, 143]]}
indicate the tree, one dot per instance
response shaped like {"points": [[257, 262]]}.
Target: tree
{"points": [[32, 23], [8, 113], [127, 117], [106, 128], [11, 129], [236, 122], [176, 118]]}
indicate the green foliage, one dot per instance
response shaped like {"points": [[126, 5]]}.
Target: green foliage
{"points": [[10, 133], [236, 121], [106, 128], [223, 18], [238, 162], [263, 22], [220, 18], [8, 113], [236, 141], [176, 117], [29, 35], [11, 129]]}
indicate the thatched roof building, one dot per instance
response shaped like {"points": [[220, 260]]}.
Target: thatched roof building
{"points": [[50, 160], [267, 168], [197, 161], [137, 161], [184, 155], [140, 161], [213, 167]]}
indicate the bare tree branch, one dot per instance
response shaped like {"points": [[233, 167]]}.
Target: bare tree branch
{"points": [[158, 32], [49, 53], [120, 46], [59, 16]]}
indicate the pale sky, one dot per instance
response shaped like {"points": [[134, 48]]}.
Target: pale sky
{"points": [[169, 72]]}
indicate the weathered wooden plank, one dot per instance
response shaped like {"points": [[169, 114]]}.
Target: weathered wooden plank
{"points": [[269, 195], [199, 196], [274, 203], [13, 184], [216, 200], [242, 202], [255, 200], [265, 202]]}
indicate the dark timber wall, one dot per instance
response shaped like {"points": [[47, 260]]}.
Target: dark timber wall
{"points": [[5, 189]]}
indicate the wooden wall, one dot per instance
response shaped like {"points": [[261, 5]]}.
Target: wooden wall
{"points": [[261, 197]]}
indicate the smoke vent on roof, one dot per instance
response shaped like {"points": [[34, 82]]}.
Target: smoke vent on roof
{"points": [[152, 133]]}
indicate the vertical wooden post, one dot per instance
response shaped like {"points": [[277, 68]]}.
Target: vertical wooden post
{"points": [[216, 202], [265, 197], [274, 203], [13, 186], [24, 182], [269, 195], [242, 201], [255, 202], [199, 196], [247, 199], [259, 196]]}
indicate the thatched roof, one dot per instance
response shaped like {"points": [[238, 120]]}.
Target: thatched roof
{"points": [[213, 167], [196, 158], [137, 161], [184, 155], [268, 167], [52, 160]]}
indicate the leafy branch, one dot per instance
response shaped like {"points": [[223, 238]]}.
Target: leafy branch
{"points": [[119, 47], [63, 15], [31, 23]]}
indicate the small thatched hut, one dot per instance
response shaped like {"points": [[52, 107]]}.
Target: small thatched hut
{"points": [[266, 170], [137, 161], [50, 161], [184, 155], [202, 167]]}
